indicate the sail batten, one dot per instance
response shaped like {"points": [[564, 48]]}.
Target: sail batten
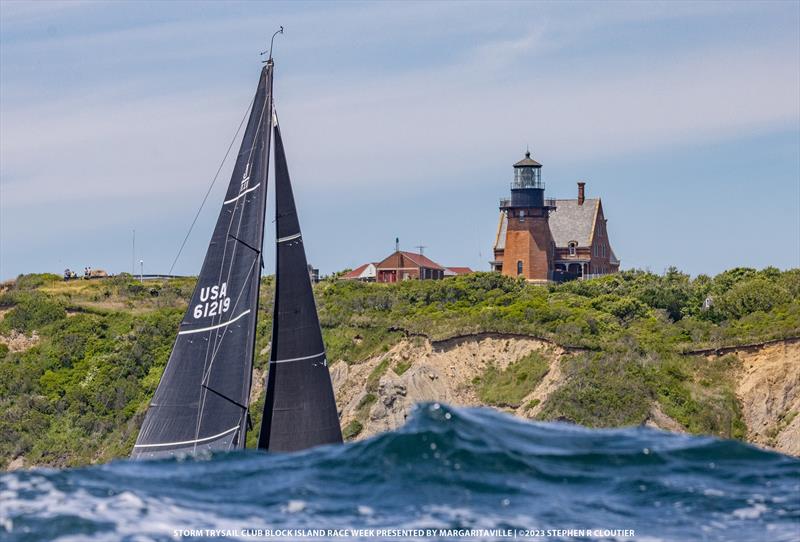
{"points": [[201, 402]]}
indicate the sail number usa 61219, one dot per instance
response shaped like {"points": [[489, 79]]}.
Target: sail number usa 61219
{"points": [[214, 300]]}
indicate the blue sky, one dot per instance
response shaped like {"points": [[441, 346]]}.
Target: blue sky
{"points": [[402, 120]]}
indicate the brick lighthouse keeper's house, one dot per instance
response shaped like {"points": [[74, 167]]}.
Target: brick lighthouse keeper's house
{"points": [[550, 240]]}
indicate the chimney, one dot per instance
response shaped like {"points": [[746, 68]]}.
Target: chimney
{"points": [[581, 192], [397, 244]]}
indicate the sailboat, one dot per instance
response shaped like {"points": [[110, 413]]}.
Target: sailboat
{"points": [[202, 401]]}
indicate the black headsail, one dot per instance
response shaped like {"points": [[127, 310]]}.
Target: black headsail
{"points": [[202, 400], [300, 408]]}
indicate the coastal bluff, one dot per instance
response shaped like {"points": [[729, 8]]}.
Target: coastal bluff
{"points": [[766, 380], [80, 359]]}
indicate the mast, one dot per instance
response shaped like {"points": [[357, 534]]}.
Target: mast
{"points": [[300, 408], [202, 400]]}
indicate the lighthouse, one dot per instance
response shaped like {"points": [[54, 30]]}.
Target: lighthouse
{"points": [[529, 245]]}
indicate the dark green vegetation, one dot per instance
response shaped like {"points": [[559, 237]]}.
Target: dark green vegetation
{"points": [[79, 393], [507, 388]]}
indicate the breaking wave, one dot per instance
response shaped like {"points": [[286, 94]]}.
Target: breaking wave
{"points": [[471, 473]]}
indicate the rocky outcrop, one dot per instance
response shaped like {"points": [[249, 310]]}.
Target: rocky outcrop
{"points": [[417, 370], [19, 342], [659, 420], [17, 463]]}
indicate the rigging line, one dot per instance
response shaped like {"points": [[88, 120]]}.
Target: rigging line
{"points": [[214, 180], [238, 208], [214, 348], [212, 344], [218, 344], [208, 365], [217, 339], [241, 214]]}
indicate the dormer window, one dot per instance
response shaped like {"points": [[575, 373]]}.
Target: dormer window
{"points": [[573, 248]]}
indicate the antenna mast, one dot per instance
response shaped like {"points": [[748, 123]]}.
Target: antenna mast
{"points": [[271, 42]]}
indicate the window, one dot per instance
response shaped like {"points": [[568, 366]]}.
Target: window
{"points": [[519, 267], [522, 216], [573, 246]]}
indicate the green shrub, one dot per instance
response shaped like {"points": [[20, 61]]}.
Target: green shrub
{"points": [[352, 430], [36, 280], [93, 374], [509, 387], [699, 394], [375, 376], [366, 402], [32, 311], [601, 390], [749, 296]]}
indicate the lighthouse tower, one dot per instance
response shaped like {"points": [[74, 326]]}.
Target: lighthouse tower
{"points": [[529, 247]]}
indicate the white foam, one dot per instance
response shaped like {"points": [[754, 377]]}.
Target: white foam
{"points": [[365, 510], [134, 516], [711, 492], [751, 512], [294, 506]]}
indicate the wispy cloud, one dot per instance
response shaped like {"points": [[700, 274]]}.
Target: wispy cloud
{"points": [[18, 11], [372, 92], [424, 120]]}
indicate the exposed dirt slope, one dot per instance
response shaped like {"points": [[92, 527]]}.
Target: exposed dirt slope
{"points": [[437, 372], [380, 391], [769, 390]]}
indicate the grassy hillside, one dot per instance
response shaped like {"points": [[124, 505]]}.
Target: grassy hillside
{"points": [[93, 351]]}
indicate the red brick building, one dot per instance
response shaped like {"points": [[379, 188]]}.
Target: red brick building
{"points": [[402, 265], [550, 239]]}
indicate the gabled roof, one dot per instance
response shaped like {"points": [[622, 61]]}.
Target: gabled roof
{"points": [[417, 259], [358, 272], [459, 270], [569, 222], [421, 260], [573, 222], [500, 239]]}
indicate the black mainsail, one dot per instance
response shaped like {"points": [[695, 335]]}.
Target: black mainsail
{"points": [[300, 408], [202, 400]]}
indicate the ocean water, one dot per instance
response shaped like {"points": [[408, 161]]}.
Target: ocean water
{"points": [[449, 473]]}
